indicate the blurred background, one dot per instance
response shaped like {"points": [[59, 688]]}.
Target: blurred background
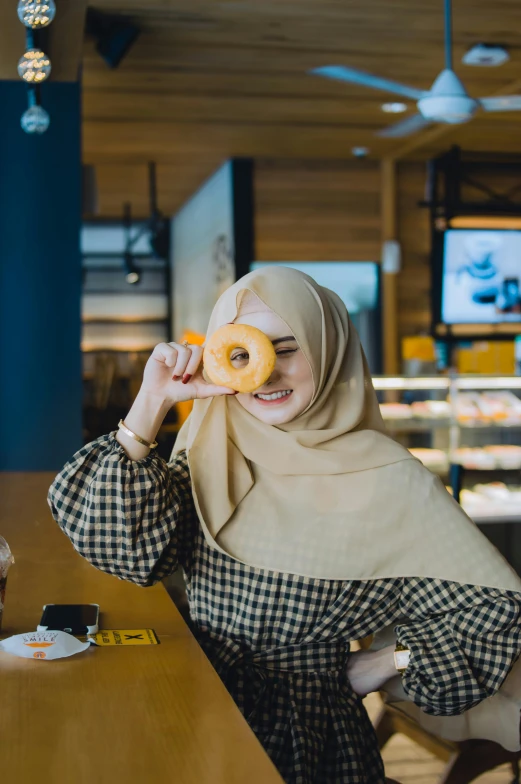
{"points": [[153, 152]]}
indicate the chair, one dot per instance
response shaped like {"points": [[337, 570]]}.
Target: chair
{"points": [[465, 760]]}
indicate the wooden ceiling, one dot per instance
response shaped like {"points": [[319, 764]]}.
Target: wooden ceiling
{"points": [[211, 79]]}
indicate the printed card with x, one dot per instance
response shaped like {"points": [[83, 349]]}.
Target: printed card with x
{"points": [[124, 637]]}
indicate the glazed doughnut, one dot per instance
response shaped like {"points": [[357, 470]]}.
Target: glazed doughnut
{"points": [[218, 352]]}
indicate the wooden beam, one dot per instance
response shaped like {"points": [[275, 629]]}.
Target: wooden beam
{"points": [[389, 279], [65, 40], [12, 40], [134, 142], [66, 35], [439, 131]]}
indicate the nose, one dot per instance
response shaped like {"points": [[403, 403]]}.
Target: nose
{"points": [[275, 376]]}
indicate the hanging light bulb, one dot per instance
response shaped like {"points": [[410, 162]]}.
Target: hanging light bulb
{"points": [[132, 274], [34, 14], [35, 120], [34, 66]]}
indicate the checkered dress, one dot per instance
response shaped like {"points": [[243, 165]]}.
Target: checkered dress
{"points": [[279, 641]]}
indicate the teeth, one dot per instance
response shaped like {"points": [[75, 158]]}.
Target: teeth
{"points": [[275, 395]]}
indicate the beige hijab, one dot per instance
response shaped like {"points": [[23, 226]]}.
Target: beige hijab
{"points": [[329, 495]]}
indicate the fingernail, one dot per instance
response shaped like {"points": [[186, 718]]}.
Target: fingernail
{"points": [[186, 378], [176, 378]]}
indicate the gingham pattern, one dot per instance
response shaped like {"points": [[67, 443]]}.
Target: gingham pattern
{"points": [[464, 640], [280, 641]]}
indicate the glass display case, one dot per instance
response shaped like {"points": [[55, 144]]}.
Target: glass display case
{"points": [[467, 429]]}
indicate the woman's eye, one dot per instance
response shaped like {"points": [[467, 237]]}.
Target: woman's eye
{"points": [[240, 356], [286, 351]]}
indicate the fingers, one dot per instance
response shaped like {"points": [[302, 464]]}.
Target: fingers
{"points": [[185, 364], [210, 390], [184, 360], [196, 355], [184, 355], [165, 353]]}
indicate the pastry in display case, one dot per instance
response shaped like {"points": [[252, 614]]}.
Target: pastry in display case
{"points": [[492, 500], [468, 423], [474, 408], [436, 460]]}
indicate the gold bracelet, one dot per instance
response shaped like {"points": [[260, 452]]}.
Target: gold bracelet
{"points": [[149, 444]]}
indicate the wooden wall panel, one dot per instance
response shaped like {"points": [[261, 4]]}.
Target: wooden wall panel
{"points": [[320, 210], [317, 210], [414, 306], [176, 183]]}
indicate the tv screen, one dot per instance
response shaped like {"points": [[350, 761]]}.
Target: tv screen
{"points": [[481, 277]]}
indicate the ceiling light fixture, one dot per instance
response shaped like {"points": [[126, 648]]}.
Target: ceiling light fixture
{"points": [[36, 15], [132, 274], [360, 152], [34, 66], [486, 55], [35, 119], [394, 107]]}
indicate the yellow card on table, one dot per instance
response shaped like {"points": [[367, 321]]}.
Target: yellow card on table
{"points": [[124, 637]]}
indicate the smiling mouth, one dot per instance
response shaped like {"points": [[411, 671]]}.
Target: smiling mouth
{"points": [[274, 397]]}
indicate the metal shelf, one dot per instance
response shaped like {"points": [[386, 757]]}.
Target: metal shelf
{"points": [[419, 426], [124, 321], [415, 426], [497, 520], [428, 383], [488, 426], [110, 254]]}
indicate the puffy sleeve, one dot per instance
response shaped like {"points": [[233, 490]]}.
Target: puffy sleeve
{"points": [[464, 640], [130, 518]]}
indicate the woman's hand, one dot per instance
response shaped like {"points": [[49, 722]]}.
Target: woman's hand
{"points": [[173, 373], [369, 670]]}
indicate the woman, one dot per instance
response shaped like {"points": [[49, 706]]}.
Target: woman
{"points": [[300, 527]]}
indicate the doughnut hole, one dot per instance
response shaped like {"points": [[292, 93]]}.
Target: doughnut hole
{"points": [[243, 369]]}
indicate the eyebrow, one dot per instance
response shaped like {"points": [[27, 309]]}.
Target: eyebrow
{"points": [[283, 340]]}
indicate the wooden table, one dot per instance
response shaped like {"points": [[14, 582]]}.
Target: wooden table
{"points": [[110, 715]]}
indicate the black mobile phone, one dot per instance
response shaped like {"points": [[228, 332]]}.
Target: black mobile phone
{"points": [[72, 618]]}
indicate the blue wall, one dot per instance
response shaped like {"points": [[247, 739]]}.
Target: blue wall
{"points": [[40, 281]]}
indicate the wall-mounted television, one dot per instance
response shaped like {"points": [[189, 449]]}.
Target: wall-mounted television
{"points": [[357, 283], [477, 281]]}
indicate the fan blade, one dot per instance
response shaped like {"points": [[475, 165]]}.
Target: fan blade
{"points": [[405, 128], [344, 74], [501, 103]]}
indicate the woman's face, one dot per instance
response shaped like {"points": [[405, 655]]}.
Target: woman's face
{"points": [[289, 389]]}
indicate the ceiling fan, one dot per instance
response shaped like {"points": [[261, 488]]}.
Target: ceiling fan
{"points": [[446, 102]]}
